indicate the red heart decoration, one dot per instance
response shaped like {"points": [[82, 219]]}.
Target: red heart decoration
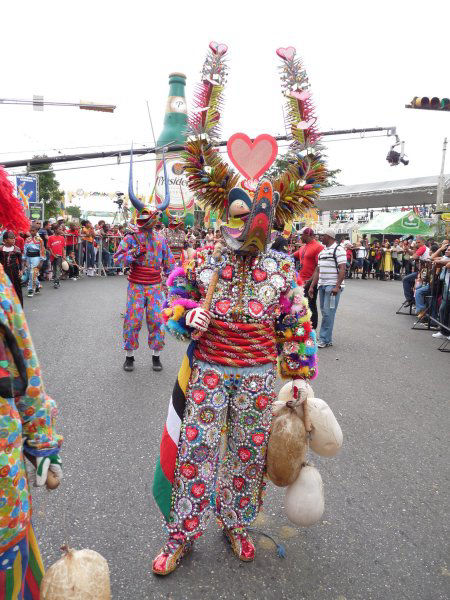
{"points": [[191, 523], [191, 432], [198, 396], [244, 501], [244, 454], [238, 483], [203, 504], [255, 307], [259, 275], [211, 380], [198, 489], [300, 95], [227, 272], [306, 124], [262, 401], [222, 306], [286, 53], [252, 159], [219, 49], [188, 470], [258, 438]]}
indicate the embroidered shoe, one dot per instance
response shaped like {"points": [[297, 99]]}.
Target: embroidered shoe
{"points": [[241, 543], [170, 556]]}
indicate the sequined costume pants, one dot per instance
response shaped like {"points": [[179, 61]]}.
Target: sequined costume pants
{"points": [[140, 298], [222, 446]]}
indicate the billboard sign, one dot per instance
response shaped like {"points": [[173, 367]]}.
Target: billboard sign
{"points": [[26, 189]]}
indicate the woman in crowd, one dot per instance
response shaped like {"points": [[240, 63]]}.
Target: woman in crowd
{"points": [[88, 235], [387, 265], [72, 239], [11, 259]]}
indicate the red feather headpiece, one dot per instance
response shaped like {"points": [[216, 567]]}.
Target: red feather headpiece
{"points": [[12, 215]]}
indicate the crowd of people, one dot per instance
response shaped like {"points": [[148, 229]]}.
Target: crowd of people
{"points": [[56, 249]]}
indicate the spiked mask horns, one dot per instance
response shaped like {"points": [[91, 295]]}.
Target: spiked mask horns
{"points": [[146, 216]]}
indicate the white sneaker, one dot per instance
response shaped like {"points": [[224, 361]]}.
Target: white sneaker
{"points": [[73, 278], [438, 335]]}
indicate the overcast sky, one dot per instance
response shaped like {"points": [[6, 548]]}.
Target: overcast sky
{"points": [[365, 61]]}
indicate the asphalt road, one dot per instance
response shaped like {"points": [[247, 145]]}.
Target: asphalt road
{"points": [[383, 533]]}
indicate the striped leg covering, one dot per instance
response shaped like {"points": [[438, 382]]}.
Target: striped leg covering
{"points": [[165, 468], [21, 570]]}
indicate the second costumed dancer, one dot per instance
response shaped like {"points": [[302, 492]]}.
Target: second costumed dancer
{"points": [[147, 254], [242, 307]]}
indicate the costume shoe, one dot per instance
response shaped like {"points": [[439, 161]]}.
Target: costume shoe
{"points": [[170, 556], [241, 543]]}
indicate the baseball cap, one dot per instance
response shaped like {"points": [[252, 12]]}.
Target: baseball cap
{"points": [[52, 220], [330, 233], [307, 231]]}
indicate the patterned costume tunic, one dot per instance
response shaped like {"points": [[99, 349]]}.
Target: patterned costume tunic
{"points": [[146, 297], [26, 425], [213, 450]]}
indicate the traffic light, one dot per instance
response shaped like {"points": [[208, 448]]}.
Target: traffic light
{"points": [[426, 103]]}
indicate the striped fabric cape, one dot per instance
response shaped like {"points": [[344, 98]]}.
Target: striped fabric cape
{"points": [[23, 577], [165, 468]]}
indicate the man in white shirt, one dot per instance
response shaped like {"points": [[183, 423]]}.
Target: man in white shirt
{"points": [[329, 275]]}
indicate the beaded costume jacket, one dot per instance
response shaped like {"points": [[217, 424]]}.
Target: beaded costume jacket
{"points": [[250, 289]]}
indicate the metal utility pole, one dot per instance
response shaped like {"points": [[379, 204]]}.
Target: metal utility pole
{"points": [[441, 182]]}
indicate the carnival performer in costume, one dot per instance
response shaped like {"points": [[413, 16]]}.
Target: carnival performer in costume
{"points": [[242, 307], [11, 259], [147, 254], [34, 253], [26, 429]]}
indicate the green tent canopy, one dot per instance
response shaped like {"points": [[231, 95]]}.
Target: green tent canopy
{"points": [[397, 223]]}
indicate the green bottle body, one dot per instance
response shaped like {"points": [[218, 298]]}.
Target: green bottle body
{"points": [[174, 132]]}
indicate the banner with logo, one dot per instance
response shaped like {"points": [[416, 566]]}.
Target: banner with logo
{"points": [[26, 190]]}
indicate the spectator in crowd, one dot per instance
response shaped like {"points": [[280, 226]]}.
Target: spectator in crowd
{"points": [[307, 257], [72, 238], [419, 252], [88, 235], [444, 308], [423, 285], [387, 264], [280, 244], [361, 253], [397, 258], [209, 238], [11, 259], [329, 275], [74, 267], [57, 249], [34, 251]]}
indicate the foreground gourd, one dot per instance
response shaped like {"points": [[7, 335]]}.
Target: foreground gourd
{"points": [[286, 451], [304, 498], [78, 575]]}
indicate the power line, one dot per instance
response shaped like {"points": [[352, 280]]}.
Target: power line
{"points": [[173, 147]]}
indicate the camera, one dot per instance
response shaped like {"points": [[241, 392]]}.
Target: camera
{"points": [[119, 200]]}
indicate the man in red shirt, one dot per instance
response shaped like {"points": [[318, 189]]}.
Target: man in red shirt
{"points": [[57, 247], [307, 255]]}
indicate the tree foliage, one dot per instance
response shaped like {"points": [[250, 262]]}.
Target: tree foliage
{"points": [[74, 211], [49, 192]]}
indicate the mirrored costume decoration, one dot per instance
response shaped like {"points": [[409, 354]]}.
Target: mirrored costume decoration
{"points": [[247, 319], [147, 255]]}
